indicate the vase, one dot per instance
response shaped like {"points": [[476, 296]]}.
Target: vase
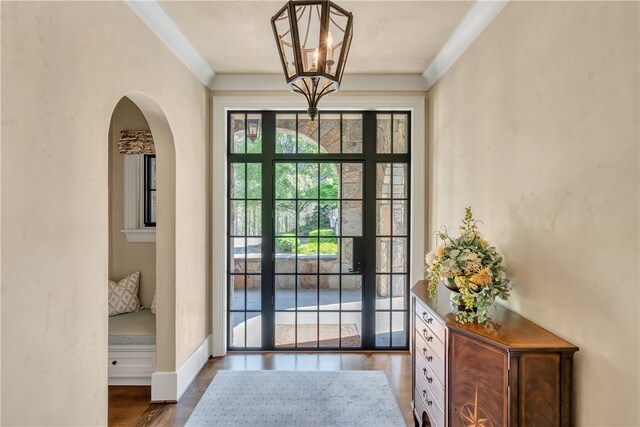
{"points": [[450, 284]]}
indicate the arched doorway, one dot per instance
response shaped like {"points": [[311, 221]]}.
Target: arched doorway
{"points": [[164, 211]]}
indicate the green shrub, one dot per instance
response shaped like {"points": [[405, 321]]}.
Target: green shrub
{"points": [[286, 244], [312, 248], [324, 232]]}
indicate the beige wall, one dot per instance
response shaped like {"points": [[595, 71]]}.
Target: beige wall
{"points": [[65, 66], [125, 257], [536, 128]]}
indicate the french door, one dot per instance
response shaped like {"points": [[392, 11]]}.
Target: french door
{"points": [[318, 229]]}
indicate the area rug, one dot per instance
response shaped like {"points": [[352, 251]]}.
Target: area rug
{"points": [[297, 398]]}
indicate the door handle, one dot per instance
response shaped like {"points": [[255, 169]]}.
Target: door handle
{"points": [[357, 269]]}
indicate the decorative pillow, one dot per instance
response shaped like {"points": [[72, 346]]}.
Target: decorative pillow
{"points": [[123, 296], [153, 304]]}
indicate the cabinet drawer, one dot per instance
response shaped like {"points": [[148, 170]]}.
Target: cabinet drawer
{"points": [[131, 363], [432, 341], [436, 364], [424, 403], [425, 375], [430, 320]]}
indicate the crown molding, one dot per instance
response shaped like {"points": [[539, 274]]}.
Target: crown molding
{"points": [[479, 16], [162, 24], [350, 82]]}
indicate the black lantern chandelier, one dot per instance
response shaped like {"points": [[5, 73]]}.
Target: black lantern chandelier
{"points": [[313, 40]]}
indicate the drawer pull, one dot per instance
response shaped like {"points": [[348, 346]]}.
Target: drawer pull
{"points": [[429, 320], [424, 372], [424, 396], [424, 353], [428, 337], [115, 362]]}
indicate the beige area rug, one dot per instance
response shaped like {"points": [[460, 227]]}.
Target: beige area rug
{"points": [[298, 399], [307, 335]]}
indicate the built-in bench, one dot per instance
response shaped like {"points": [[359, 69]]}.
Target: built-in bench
{"points": [[132, 348]]}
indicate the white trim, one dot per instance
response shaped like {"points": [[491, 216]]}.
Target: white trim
{"points": [[479, 16], [153, 14], [140, 235], [170, 386], [220, 106], [350, 82]]}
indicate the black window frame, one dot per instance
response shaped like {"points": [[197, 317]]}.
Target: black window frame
{"points": [[148, 189]]}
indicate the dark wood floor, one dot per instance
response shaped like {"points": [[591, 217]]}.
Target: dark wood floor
{"points": [[129, 406]]}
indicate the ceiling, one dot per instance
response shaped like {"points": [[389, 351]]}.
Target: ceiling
{"points": [[390, 37]]}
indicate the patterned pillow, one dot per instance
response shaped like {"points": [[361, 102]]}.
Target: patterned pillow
{"points": [[123, 296], [153, 304]]}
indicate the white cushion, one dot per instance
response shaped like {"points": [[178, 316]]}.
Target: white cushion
{"points": [[123, 296]]}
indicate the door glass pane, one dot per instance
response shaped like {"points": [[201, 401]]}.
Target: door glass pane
{"points": [[285, 180], [238, 183], [308, 180], [254, 180], [350, 332], [330, 292], [308, 256], [383, 254], [383, 282], [236, 137], [383, 217], [400, 130], [400, 217], [285, 329], [351, 218], [383, 180], [352, 133], [237, 290], [307, 292], [307, 135], [307, 329], [347, 254], [237, 217], [285, 133], [237, 329], [383, 134], [351, 292], [254, 330], [254, 255], [400, 181], [285, 219], [236, 255], [352, 180], [307, 217], [383, 336], [329, 180], [254, 133], [285, 293], [329, 219], [254, 218], [399, 254], [254, 292], [329, 330], [398, 289], [329, 133], [399, 337]]}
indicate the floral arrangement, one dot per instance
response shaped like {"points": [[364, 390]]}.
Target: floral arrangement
{"points": [[471, 267]]}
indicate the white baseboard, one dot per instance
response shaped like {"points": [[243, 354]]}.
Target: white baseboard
{"points": [[170, 386]]}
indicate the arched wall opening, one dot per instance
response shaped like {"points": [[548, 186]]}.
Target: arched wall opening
{"points": [[165, 231]]}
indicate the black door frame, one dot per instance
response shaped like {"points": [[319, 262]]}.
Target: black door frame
{"points": [[268, 157]]}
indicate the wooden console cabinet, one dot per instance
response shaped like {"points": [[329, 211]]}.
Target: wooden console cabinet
{"points": [[507, 372]]}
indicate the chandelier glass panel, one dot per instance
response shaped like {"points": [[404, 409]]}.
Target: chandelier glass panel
{"points": [[313, 39]]}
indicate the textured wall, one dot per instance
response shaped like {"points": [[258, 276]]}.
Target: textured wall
{"points": [[536, 128], [65, 66], [125, 257]]}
